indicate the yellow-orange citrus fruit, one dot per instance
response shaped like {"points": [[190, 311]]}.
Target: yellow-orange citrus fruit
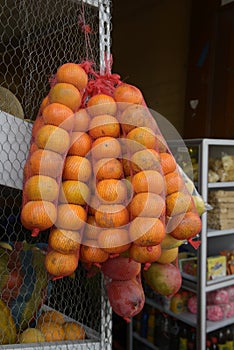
{"points": [[161, 144], [108, 168], [106, 147], [45, 162], [147, 231], [104, 125], [66, 94], [77, 168], [114, 241], [58, 264], [173, 182], [147, 159], [50, 316], [101, 104], [74, 192], [148, 181], [125, 94], [40, 187], [72, 73], [52, 331], [136, 116], [140, 138], [147, 204], [168, 163], [71, 216], [74, 331], [178, 203], [53, 138], [81, 120], [185, 226], [81, 144], [64, 241], [113, 215], [38, 214], [111, 191], [91, 252], [59, 115], [145, 255], [91, 229], [168, 255]]}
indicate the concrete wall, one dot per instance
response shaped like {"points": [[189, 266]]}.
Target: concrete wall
{"points": [[150, 41]]}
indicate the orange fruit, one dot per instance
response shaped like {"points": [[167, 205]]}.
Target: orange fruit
{"points": [[147, 159], [91, 230], [38, 214], [114, 241], [144, 255], [110, 216], [106, 147], [71, 216], [77, 168], [147, 204], [81, 120], [52, 331], [44, 103], [58, 264], [33, 148], [59, 115], [91, 252], [66, 94], [101, 104], [45, 162], [108, 168], [39, 122], [125, 94], [127, 165], [145, 231], [40, 187], [136, 116], [161, 144], [50, 316], [168, 163], [74, 74], [111, 191], [74, 331], [81, 144], [140, 138], [64, 241], [74, 192], [53, 138], [184, 226], [104, 125], [148, 181], [94, 203], [178, 203], [173, 182]]}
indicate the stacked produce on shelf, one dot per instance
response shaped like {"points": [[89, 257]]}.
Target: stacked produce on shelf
{"points": [[100, 175]]}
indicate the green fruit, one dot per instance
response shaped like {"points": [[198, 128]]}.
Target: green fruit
{"points": [[31, 335], [170, 242]]}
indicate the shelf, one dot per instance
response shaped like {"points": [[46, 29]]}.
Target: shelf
{"points": [[186, 317], [222, 282], [15, 136], [218, 233], [221, 184], [214, 325], [144, 341]]}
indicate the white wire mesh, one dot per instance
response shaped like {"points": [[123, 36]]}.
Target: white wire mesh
{"points": [[37, 36]]}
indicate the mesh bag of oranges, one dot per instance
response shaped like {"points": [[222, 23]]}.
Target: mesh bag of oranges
{"points": [[113, 188]]}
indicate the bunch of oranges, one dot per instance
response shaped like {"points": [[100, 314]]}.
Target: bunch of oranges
{"points": [[100, 174]]}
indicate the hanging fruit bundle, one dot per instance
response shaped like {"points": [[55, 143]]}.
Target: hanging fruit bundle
{"points": [[109, 188]]}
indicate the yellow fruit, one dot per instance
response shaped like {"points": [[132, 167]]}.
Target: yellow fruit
{"points": [[170, 242], [168, 255], [31, 335], [74, 331], [7, 325], [199, 204]]}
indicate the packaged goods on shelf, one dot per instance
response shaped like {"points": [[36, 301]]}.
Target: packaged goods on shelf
{"points": [[221, 216], [221, 169]]}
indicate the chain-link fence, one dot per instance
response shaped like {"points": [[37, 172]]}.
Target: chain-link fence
{"points": [[37, 36]]}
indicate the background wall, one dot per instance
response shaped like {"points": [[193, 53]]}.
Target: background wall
{"points": [[150, 43]]}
